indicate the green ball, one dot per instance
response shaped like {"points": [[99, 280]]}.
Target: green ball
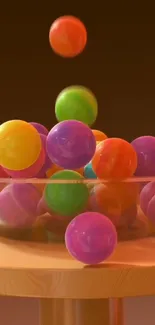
{"points": [[76, 103], [66, 199]]}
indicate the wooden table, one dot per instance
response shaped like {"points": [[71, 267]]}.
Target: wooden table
{"points": [[71, 293]]}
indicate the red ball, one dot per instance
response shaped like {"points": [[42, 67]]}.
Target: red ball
{"points": [[68, 36]]}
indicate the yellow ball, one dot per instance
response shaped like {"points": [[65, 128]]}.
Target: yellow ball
{"points": [[20, 145]]}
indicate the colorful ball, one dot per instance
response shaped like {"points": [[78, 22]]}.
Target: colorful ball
{"points": [[71, 144], [3, 173], [40, 128], [76, 103], [20, 145], [99, 135], [145, 149], [68, 36], [88, 172], [114, 200], [31, 171], [91, 238], [66, 199], [47, 162], [56, 168], [18, 205], [114, 159], [146, 195]]}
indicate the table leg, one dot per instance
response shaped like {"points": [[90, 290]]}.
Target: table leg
{"points": [[74, 312]]}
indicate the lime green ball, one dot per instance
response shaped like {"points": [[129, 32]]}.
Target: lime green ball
{"points": [[76, 103], [66, 199]]}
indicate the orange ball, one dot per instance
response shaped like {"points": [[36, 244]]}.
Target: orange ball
{"points": [[56, 168], [99, 135], [114, 159], [68, 36]]}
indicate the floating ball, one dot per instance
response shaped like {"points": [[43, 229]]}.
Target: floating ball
{"points": [[68, 36], [88, 172], [71, 144], [99, 135], [114, 159], [91, 238], [76, 103], [66, 199], [145, 149], [18, 205], [40, 128], [31, 171], [20, 145]]}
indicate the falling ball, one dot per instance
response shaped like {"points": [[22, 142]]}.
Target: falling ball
{"points": [[68, 36], [91, 238], [145, 149], [40, 128], [76, 103]]}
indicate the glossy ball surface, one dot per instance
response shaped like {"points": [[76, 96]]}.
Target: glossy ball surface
{"points": [[20, 145], [145, 149], [76, 103], [91, 238], [64, 198], [68, 36], [114, 159], [71, 144]]}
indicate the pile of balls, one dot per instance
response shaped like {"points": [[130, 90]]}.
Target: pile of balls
{"points": [[82, 184]]}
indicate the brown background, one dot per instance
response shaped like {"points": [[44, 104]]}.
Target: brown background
{"points": [[118, 64]]}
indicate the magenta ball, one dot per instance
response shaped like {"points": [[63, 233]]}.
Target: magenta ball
{"points": [[31, 171], [47, 163], [40, 128], [18, 205], [145, 149], [91, 237], [146, 195], [71, 144]]}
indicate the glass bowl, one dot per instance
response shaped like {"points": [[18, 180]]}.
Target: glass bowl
{"points": [[41, 209]]}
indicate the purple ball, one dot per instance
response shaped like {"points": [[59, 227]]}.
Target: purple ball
{"points": [[40, 128], [47, 164], [91, 237], [71, 144], [146, 195], [145, 149], [18, 205]]}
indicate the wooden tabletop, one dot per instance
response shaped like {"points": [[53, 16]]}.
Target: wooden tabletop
{"points": [[41, 270]]}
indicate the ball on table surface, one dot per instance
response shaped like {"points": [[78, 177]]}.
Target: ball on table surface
{"points": [[145, 149], [20, 145], [66, 199], [40, 128], [68, 36], [47, 162], [56, 168], [76, 103], [71, 144], [114, 159], [91, 238], [18, 205]]}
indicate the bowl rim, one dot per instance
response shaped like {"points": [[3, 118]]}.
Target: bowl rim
{"points": [[80, 181]]}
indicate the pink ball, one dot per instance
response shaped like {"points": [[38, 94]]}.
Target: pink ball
{"points": [[47, 163], [3, 174], [31, 171], [91, 237], [146, 195], [18, 205], [40, 128]]}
